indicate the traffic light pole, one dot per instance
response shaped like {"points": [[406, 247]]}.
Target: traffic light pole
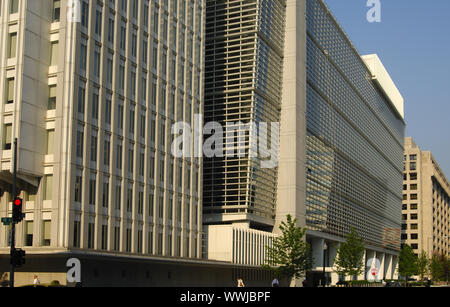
{"points": [[13, 224]]}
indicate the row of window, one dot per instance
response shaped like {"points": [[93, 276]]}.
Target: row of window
{"points": [[172, 248]]}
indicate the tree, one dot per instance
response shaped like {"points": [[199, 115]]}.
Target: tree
{"points": [[349, 258], [422, 265], [407, 263], [437, 267], [290, 255]]}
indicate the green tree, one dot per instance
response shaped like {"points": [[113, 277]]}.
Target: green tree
{"points": [[407, 263], [290, 255], [349, 257], [437, 267], [422, 264]]}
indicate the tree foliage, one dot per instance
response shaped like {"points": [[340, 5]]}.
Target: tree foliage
{"points": [[349, 258], [290, 254], [440, 267], [422, 265], [407, 262]]}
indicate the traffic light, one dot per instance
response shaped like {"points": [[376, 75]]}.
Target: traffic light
{"points": [[17, 210], [17, 257]]}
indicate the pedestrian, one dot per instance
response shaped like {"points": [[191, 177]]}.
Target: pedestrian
{"points": [[275, 283], [240, 283], [305, 283], [36, 280]]}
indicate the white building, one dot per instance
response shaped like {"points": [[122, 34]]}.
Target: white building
{"points": [[91, 93]]}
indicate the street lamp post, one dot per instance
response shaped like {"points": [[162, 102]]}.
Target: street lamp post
{"points": [[324, 250]]}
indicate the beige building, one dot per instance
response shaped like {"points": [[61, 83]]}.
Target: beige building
{"points": [[426, 200], [91, 93]]}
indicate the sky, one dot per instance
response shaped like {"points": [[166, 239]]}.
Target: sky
{"points": [[413, 42]]}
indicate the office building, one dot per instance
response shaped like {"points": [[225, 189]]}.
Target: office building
{"points": [[341, 131], [426, 199], [91, 93]]}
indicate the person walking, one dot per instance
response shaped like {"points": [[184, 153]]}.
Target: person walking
{"points": [[240, 283], [36, 280]]}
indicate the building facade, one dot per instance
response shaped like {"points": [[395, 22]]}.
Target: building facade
{"points": [[341, 137], [426, 199], [243, 82], [91, 93]]}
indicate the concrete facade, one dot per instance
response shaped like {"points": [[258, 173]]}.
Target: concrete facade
{"points": [[91, 100], [426, 199]]}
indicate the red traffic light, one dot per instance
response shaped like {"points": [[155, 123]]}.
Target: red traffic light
{"points": [[17, 201]]}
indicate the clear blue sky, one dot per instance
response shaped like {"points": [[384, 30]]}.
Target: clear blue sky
{"points": [[413, 42]]}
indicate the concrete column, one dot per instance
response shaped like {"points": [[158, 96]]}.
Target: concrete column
{"points": [[366, 256], [333, 253], [388, 267], [317, 252], [381, 258], [394, 267]]}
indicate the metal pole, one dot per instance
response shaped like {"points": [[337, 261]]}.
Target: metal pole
{"points": [[13, 224]]}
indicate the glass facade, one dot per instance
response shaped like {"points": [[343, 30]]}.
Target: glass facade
{"points": [[354, 140], [243, 82]]}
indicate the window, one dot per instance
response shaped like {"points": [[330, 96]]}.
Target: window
{"points": [[413, 157], [46, 233], [50, 141], [413, 187], [414, 236], [80, 141], [98, 21], [81, 99], [92, 188], [14, 6], [412, 166], [7, 136], [54, 47], [111, 30], [413, 176], [414, 226], [12, 45], [128, 243], [105, 194], [51, 97], [104, 237], [56, 10], [413, 206], [78, 188], [91, 235], [95, 106], [84, 14], [29, 233], [118, 196], [48, 187], [10, 91], [94, 146], [107, 152], [414, 216], [116, 238], [76, 234]]}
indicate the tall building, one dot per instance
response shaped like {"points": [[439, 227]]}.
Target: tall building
{"points": [[243, 82], [426, 199], [341, 130], [91, 93]]}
